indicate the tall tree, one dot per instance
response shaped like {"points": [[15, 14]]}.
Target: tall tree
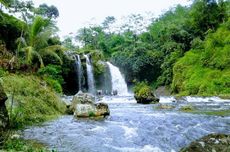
{"points": [[36, 45]]}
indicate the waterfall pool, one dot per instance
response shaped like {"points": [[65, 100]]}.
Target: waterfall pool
{"points": [[130, 127]]}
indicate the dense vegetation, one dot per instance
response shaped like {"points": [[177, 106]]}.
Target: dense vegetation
{"points": [[186, 48], [205, 69], [152, 55]]}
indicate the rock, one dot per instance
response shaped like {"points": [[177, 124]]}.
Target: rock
{"points": [[83, 105], [4, 118], [91, 110], [85, 110], [146, 99], [165, 106], [80, 98], [210, 143], [144, 94], [102, 109]]}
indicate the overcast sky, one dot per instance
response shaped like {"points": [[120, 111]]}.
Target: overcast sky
{"points": [[74, 14]]}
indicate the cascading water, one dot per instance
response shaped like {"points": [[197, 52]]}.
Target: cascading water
{"points": [[118, 82], [79, 74], [90, 77]]}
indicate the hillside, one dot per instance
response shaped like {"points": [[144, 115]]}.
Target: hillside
{"points": [[205, 70]]}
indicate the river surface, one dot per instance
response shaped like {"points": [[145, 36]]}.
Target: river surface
{"points": [[132, 127]]}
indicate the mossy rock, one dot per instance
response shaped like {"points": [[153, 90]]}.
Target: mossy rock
{"points": [[210, 143], [144, 94]]}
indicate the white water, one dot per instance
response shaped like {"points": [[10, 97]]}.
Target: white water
{"points": [[79, 68], [131, 127], [90, 78], [118, 82], [167, 99]]}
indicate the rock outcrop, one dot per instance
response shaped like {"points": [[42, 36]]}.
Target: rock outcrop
{"points": [[83, 105], [144, 94], [146, 100], [4, 118], [210, 143]]}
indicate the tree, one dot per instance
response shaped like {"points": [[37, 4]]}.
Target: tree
{"points": [[47, 11], [36, 45], [107, 22]]}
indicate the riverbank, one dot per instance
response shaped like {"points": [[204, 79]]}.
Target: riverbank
{"points": [[30, 102]]}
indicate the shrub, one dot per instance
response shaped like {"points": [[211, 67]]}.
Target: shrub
{"points": [[52, 75]]}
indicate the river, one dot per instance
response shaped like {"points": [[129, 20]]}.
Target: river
{"points": [[131, 127]]}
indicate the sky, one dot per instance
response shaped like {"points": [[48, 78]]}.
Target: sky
{"points": [[75, 14]]}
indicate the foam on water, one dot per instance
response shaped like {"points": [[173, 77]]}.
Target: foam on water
{"points": [[205, 99], [145, 148], [129, 132], [167, 99]]}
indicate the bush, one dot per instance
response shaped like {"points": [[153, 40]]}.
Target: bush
{"points": [[52, 75], [54, 84]]}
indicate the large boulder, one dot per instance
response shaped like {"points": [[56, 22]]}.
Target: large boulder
{"points": [[210, 143], [80, 98], [144, 94], [146, 99], [4, 118], [83, 105]]}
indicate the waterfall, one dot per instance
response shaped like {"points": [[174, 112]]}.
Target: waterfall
{"points": [[118, 82], [79, 74], [90, 78]]}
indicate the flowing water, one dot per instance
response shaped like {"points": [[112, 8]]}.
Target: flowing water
{"points": [[79, 73], [132, 127], [90, 77], [118, 82]]}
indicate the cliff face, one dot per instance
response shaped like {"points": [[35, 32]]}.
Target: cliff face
{"points": [[4, 119]]}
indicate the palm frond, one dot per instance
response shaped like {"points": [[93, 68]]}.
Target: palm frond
{"points": [[5, 3], [51, 50], [29, 51], [38, 26], [40, 59]]}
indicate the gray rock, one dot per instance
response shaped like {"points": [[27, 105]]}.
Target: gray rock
{"points": [[83, 105]]}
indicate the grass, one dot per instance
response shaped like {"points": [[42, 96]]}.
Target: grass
{"points": [[30, 100], [16, 145]]}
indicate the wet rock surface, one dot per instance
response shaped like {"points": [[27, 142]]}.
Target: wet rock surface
{"points": [[210, 143], [83, 105]]}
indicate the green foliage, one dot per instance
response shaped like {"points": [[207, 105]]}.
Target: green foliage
{"points": [[3, 72], [54, 84], [91, 114], [10, 30], [52, 71], [15, 145], [142, 89], [52, 74], [37, 43], [30, 100], [205, 71]]}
